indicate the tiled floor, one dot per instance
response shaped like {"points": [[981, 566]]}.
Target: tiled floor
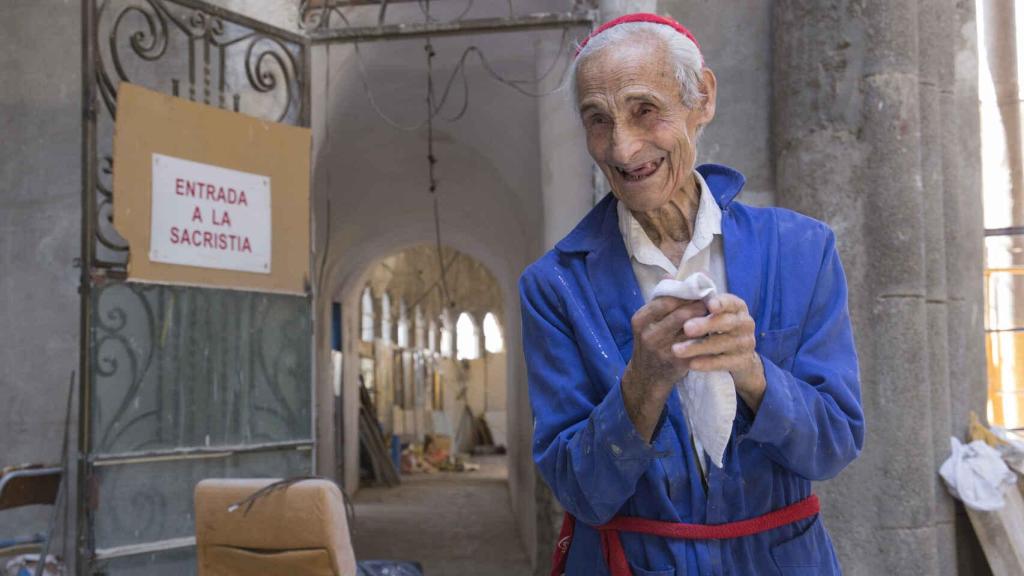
{"points": [[455, 524]]}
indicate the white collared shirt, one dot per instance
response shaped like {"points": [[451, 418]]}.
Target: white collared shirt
{"points": [[704, 253]]}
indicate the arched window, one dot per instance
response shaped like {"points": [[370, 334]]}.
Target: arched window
{"points": [[419, 329], [385, 317], [432, 336], [446, 334], [467, 340], [403, 325], [366, 324], [493, 341]]}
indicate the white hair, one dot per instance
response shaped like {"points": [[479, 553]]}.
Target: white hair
{"points": [[683, 52]]}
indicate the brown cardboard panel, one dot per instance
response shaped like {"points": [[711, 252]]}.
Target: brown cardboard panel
{"points": [[150, 123]]}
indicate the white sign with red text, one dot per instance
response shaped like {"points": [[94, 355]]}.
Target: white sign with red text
{"points": [[208, 216]]}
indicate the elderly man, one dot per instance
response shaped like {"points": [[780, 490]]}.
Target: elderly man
{"points": [[619, 371]]}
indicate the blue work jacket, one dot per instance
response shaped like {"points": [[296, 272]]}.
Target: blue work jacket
{"points": [[577, 302]]}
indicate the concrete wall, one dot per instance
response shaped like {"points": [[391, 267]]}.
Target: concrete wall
{"points": [[40, 183]]}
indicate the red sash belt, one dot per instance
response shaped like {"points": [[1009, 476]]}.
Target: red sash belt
{"points": [[615, 555]]}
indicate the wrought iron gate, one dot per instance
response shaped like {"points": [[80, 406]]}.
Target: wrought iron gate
{"points": [[179, 383]]}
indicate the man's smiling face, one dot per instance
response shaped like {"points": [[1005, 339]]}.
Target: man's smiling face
{"points": [[639, 131]]}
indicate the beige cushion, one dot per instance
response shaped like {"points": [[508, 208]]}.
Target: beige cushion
{"points": [[297, 530]]}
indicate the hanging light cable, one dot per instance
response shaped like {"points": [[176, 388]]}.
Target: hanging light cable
{"points": [[431, 162]]}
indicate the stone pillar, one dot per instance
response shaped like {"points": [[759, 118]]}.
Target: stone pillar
{"points": [[964, 253], [896, 383], [876, 133], [818, 61], [567, 192], [875, 129], [936, 69], [564, 162]]}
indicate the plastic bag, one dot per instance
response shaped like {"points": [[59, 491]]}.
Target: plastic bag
{"points": [[976, 474]]}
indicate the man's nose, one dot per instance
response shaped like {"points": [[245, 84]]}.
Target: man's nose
{"points": [[625, 144]]}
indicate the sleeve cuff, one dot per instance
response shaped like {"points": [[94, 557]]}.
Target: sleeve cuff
{"points": [[774, 418], [615, 433]]}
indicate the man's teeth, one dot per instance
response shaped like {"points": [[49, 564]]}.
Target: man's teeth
{"points": [[642, 171]]}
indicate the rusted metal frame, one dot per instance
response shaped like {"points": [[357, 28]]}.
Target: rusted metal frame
{"points": [[540, 21], [196, 453], [313, 296], [246, 21], [82, 535], [145, 548]]}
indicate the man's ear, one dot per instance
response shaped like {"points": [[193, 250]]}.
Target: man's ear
{"points": [[709, 95]]}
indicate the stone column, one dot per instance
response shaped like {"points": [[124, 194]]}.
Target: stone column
{"points": [[936, 69], [564, 162], [876, 133], [964, 253], [567, 192], [863, 96]]}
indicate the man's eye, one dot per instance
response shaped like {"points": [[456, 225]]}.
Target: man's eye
{"points": [[598, 119], [645, 110]]}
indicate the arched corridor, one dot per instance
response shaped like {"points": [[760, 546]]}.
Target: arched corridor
{"points": [[431, 359]]}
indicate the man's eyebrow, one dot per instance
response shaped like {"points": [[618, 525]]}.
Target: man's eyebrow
{"points": [[643, 97], [589, 106]]}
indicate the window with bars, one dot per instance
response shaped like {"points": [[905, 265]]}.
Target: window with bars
{"points": [[1004, 325], [1000, 98]]}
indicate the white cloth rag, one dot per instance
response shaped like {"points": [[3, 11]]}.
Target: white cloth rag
{"points": [[708, 398], [976, 474]]}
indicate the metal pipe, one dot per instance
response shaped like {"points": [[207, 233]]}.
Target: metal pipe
{"points": [[146, 548], [197, 453], [81, 534], [540, 21], [1009, 231]]}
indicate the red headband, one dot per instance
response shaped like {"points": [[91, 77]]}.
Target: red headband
{"points": [[642, 17]]}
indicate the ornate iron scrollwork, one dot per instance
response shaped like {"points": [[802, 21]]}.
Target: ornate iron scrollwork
{"points": [[169, 361], [195, 51], [317, 14]]}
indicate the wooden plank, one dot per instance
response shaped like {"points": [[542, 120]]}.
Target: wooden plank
{"points": [[376, 444], [1001, 534]]}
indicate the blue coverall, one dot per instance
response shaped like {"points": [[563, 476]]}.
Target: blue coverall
{"points": [[577, 302]]}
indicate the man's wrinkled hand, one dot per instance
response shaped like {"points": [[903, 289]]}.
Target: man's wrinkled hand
{"points": [[724, 341]]}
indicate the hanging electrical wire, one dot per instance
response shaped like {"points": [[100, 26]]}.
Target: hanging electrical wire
{"points": [[460, 73], [431, 162]]}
